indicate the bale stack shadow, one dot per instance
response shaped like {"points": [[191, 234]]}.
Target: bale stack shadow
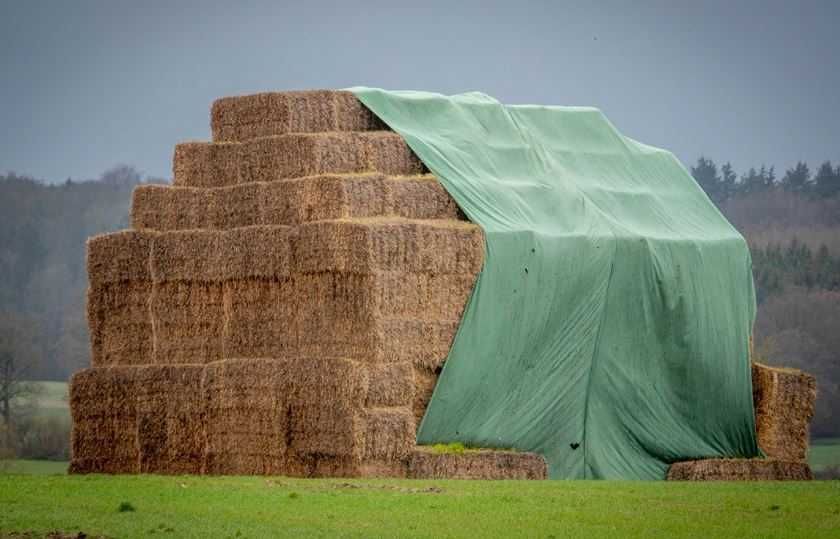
{"points": [[284, 307]]}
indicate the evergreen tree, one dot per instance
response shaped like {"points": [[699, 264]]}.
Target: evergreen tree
{"points": [[752, 182], [827, 181], [728, 181], [706, 175], [797, 179]]}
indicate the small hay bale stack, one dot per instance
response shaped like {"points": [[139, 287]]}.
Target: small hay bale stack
{"points": [[284, 307], [784, 405]]}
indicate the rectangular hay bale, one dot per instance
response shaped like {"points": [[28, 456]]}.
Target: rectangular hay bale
{"points": [[284, 157], [291, 202], [367, 245], [188, 319], [425, 463], [739, 470], [170, 419], [104, 434], [784, 401], [275, 113], [120, 322], [118, 311]]}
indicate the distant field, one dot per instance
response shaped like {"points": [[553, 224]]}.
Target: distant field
{"points": [[137, 506], [32, 467], [824, 452], [51, 400]]}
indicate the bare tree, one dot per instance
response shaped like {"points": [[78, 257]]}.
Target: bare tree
{"points": [[19, 352]]}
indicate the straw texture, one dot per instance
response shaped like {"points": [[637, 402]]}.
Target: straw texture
{"points": [[314, 198], [784, 405], [301, 416], [425, 463], [276, 113], [739, 470], [218, 164]]}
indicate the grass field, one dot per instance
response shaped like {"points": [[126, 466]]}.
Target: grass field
{"points": [[282, 507], [139, 506]]}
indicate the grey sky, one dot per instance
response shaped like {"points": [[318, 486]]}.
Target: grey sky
{"points": [[88, 84]]}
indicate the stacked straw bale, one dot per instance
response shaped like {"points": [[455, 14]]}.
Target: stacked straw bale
{"points": [[283, 308], [739, 470], [784, 405], [426, 463]]}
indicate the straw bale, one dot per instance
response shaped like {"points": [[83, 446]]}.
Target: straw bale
{"points": [[282, 416], [391, 384], [259, 318], [337, 315], [424, 342], [118, 297], [202, 164], [425, 380], [425, 463], [389, 434], [120, 322], [170, 418], [422, 197], [388, 153], [312, 198], [263, 252], [784, 405], [187, 255], [292, 156], [161, 207], [739, 470], [422, 296], [188, 321], [366, 245], [215, 256], [104, 433], [119, 257], [328, 196], [260, 115]]}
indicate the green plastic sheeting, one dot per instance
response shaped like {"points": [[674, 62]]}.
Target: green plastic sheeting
{"points": [[609, 328]]}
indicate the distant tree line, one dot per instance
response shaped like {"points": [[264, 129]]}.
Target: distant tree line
{"points": [[723, 184], [43, 230]]}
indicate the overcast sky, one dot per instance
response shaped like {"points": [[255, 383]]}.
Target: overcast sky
{"points": [[88, 84]]}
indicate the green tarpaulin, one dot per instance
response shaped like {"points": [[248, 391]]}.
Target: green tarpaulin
{"points": [[609, 328]]}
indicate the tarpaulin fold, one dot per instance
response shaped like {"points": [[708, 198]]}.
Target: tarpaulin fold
{"points": [[609, 327]]}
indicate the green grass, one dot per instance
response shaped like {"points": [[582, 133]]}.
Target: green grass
{"points": [[283, 507], [824, 452]]}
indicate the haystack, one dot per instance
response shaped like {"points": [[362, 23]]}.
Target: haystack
{"points": [[283, 308], [287, 306]]}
